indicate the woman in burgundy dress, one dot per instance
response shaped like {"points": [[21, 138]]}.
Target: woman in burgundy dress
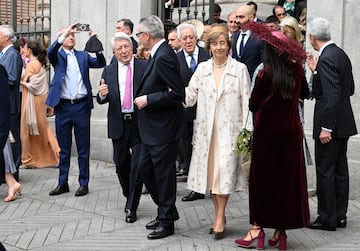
{"points": [[277, 185]]}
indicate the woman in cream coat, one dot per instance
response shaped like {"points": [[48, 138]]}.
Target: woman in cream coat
{"points": [[220, 88]]}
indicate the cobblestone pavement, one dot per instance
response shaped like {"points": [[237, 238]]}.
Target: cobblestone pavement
{"points": [[36, 221]]}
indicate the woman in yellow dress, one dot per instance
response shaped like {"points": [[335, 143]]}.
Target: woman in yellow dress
{"points": [[39, 145]]}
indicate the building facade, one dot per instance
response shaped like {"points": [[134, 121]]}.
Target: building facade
{"points": [[102, 17]]}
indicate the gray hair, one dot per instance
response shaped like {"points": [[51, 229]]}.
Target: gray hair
{"points": [[230, 14], [7, 30], [153, 25], [184, 26], [320, 28], [119, 36]]}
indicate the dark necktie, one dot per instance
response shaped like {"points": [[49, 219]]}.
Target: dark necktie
{"points": [[192, 63], [241, 50]]}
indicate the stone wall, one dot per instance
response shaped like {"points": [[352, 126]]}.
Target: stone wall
{"points": [[102, 17]]}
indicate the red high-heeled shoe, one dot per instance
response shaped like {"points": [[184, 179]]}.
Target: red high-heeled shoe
{"points": [[246, 244], [273, 243], [282, 240]]}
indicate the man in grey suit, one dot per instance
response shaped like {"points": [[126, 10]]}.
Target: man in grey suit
{"points": [[11, 60], [122, 119], [334, 123]]}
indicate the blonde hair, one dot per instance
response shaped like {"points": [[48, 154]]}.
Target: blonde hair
{"points": [[293, 23], [215, 32]]}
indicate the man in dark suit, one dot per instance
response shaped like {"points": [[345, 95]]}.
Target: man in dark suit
{"points": [[246, 48], [4, 118], [71, 96], [217, 16], [254, 7], [189, 57], [122, 120], [159, 100], [334, 123], [127, 26], [11, 60]]}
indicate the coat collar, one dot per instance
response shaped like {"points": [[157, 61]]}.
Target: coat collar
{"points": [[230, 71]]}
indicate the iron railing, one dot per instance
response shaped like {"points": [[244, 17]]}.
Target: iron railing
{"points": [[182, 10], [29, 18]]}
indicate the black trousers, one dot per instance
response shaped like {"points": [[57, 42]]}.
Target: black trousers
{"points": [[157, 167], [126, 159], [185, 146], [332, 180]]}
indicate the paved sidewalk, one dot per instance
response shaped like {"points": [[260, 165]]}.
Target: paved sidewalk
{"points": [[36, 221]]}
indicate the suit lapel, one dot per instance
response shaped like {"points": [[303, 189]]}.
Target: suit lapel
{"points": [[184, 64], [137, 76], [248, 45], [114, 80], [148, 67], [203, 56]]}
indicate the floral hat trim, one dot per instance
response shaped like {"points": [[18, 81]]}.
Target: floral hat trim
{"points": [[281, 44]]}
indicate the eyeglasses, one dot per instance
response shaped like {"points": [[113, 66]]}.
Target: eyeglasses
{"points": [[139, 33]]}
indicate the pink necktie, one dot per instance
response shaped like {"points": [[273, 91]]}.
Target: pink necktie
{"points": [[127, 96]]}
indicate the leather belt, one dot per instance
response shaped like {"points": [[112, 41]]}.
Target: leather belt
{"points": [[73, 101], [128, 116]]}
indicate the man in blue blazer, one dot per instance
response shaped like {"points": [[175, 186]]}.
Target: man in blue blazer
{"points": [[10, 58], [252, 51], [159, 100], [334, 123], [4, 118], [189, 57], [71, 96], [122, 119]]}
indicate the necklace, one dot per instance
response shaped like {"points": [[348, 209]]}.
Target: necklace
{"points": [[219, 65]]}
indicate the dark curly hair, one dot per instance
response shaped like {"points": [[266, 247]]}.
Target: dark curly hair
{"points": [[39, 51]]}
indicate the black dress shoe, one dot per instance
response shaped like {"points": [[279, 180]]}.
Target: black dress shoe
{"points": [[318, 225], [153, 224], [180, 172], [82, 190], [341, 223], [130, 216], [59, 190], [160, 232], [193, 196]]}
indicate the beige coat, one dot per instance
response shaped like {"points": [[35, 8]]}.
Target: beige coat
{"points": [[231, 105]]}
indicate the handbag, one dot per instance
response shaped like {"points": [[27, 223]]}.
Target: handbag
{"points": [[243, 149], [244, 140]]}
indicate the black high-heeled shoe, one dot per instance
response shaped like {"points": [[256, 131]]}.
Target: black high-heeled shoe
{"points": [[211, 231], [218, 235]]}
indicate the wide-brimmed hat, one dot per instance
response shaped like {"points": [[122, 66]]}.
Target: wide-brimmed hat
{"points": [[281, 44], [199, 26]]}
